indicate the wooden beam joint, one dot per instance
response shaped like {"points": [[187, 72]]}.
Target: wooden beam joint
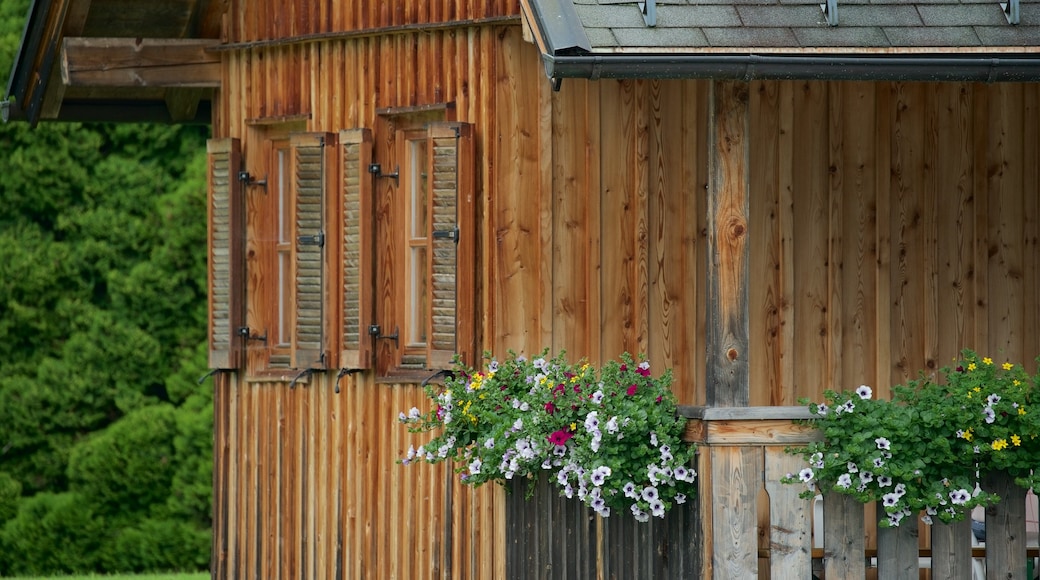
{"points": [[140, 62]]}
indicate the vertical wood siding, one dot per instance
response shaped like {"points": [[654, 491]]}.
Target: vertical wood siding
{"points": [[890, 225], [309, 487]]}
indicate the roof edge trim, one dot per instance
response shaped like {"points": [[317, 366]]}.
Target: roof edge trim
{"points": [[831, 66], [557, 22]]}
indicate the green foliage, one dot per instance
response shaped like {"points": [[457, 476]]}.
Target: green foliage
{"points": [[924, 449], [158, 544], [10, 491], [53, 533], [127, 468], [610, 437]]}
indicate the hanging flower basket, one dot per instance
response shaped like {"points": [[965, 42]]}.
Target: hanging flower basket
{"points": [[926, 449], [609, 437]]}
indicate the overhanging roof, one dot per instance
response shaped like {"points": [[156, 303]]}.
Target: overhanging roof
{"points": [[941, 40], [116, 60]]}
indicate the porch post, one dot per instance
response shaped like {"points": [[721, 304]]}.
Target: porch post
{"points": [[728, 251], [731, 475]]}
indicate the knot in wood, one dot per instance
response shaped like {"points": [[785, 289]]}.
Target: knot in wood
{"points": [[736, 228], [732, 354]]}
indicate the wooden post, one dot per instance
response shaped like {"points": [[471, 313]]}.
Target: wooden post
{"points": [[728, 251]]}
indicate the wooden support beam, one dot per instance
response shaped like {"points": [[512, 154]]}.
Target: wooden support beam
{"points": [[728, 250], [136, 62]]}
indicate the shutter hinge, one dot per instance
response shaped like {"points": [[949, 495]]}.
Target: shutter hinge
{"points": [[452, 234], [377, 170], [317, 239]]}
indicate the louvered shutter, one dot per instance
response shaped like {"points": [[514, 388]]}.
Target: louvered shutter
{"points": [[226, 225], [312, 155], [452, 240], [358, 235]]}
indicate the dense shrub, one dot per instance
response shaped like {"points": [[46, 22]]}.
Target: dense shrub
{"points": [[53, 533], [158, 545]]}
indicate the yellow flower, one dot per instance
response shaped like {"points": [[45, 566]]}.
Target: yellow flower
{"points": [[1016, 382], [1016, 440], [977, 389], [967, 435], [999, 444], [574, 426], [987, 360], [971, 366], [1021, 410], [1008, 366]]}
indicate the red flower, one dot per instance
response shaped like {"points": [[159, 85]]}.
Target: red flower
{"points": [[560, 437], [632, 390], [550, 408]]}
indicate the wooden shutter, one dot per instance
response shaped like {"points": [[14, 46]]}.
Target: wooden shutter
{"points": [[358, 236], [311, 155], [226, 225], [452, 242]]}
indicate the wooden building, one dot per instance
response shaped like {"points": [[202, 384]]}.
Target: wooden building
{"points": [[771, 199]]}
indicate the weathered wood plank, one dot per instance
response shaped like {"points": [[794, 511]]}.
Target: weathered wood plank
{"points": [[843, 537], [951, 556], [736, 479], [1005, 528], [812, 339], [897, 548], [727, 281], [139, 62], [790, 524]]}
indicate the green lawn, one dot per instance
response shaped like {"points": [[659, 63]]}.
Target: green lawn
{"points": [[195, 576]]}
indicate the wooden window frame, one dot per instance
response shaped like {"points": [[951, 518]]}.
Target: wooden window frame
{"points": [[448, 243]]}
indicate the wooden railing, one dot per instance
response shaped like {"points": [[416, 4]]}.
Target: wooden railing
{"points": [[746, 524], [774, 534]]}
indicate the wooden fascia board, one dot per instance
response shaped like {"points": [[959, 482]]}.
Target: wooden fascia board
{"points": [[140, 62], [35, 62]]}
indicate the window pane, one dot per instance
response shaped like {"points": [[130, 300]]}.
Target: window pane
{"points": [[417, 306], [417, 188]]}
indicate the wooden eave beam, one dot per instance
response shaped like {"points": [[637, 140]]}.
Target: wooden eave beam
{"points": [[140, 62]]}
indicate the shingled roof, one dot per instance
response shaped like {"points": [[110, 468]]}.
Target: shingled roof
{"points": [[928, 39]]}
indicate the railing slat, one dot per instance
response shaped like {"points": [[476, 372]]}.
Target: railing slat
{"points": [[1005, 529], [951, 556], [790, 537], [843, 542], [897, 549]]}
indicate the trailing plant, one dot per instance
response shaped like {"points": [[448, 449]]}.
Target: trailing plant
{"points": [[609, 437], [926, 448]]}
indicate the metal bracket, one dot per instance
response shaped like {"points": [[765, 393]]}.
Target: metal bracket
{"points": [[830, 11], [649, 10], [374, 330], [308, 372], [248, 180], [344, 372], [211, 372], [317, 239], [247, 334], [452, 234], [1011, 11], [377, 170]]}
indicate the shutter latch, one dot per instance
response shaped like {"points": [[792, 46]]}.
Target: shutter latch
{"points": [[452, 234], [317, 239]]}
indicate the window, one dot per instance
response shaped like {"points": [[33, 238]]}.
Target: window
{"points": [[270, 288], [320, 259], [427, 212]]}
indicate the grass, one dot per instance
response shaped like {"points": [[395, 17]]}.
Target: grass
{"points": [[192, 576]]}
